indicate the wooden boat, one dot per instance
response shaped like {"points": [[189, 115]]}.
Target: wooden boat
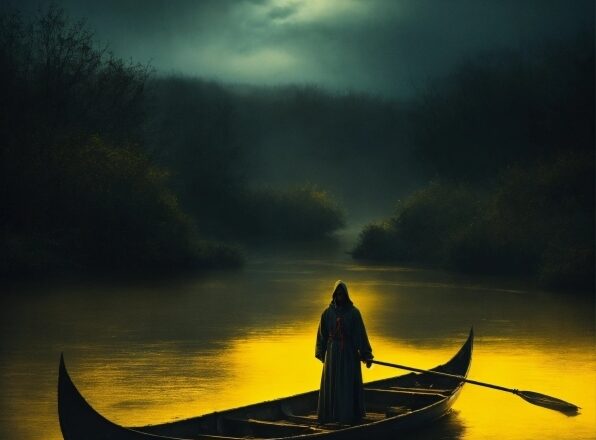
{"points": [[394, 404]]}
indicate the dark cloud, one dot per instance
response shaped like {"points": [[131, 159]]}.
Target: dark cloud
{"points": [[382, 46], [283, 12]]}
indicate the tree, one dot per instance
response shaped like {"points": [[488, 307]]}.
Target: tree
{"points": [[56, 82]]}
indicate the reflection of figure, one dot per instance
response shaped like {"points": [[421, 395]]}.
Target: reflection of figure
{"points": [[341, 345]]}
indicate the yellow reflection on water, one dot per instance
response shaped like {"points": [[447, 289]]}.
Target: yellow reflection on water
{"points": [[193, 359], [258, 367], [278, 363], [565, 375]]}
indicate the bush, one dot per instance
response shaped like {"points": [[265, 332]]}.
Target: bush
{"points": [[537, 222], [105, 207], [300, 213], [121, 208], [423, 226], [546, 213], [380, 242]]}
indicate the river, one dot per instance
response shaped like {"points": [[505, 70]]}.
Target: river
{"points": [[156, 351]]}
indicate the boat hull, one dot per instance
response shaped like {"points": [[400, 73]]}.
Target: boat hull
{"points": [[407, 401]]}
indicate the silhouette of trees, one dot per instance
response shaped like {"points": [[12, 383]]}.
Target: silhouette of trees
{"points": [[510, 138], [505, 107], [77, 190], [57, 82], [211, 138]]}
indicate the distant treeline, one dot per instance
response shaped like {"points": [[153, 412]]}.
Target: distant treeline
{"points": [[214, 139], [96, 157], [509, 140], [218, 138]]}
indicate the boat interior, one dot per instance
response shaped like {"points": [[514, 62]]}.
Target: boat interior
{"points": [[297, 415]]}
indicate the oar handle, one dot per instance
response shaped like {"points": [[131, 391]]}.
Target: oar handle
{"points": [[451, 376]]}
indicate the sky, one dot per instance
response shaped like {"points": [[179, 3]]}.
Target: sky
{"points": [[383, 47]]}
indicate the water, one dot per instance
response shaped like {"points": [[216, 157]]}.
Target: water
{"points": [[156, 352]]}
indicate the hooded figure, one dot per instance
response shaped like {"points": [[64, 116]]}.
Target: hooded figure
{"points": [[342, 344]]}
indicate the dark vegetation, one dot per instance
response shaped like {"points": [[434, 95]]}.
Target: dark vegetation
{"points": [[206, 134], [300, 213], [77, 188], [108, 166], [509, 141], [220, 140], [105, 168]]}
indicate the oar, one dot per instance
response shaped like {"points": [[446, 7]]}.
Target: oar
{"points": [[529, 396]]}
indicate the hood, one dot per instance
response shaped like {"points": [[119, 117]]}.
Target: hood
{"points": [[341, 285]]}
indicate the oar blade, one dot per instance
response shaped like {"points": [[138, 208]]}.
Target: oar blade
{"points": [[549, 402]]}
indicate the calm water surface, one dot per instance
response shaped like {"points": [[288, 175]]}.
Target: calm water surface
{"points": [[153, 353]]}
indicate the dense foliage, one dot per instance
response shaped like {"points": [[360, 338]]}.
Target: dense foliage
{"points": [[299, 213], [106, 166], [505, 107], [536, 221], [208, 136], [423, 226], [77, 190], [510, 141], [217, 138]]}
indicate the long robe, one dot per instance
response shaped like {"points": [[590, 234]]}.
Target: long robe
{"points": [[341, 344]]}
